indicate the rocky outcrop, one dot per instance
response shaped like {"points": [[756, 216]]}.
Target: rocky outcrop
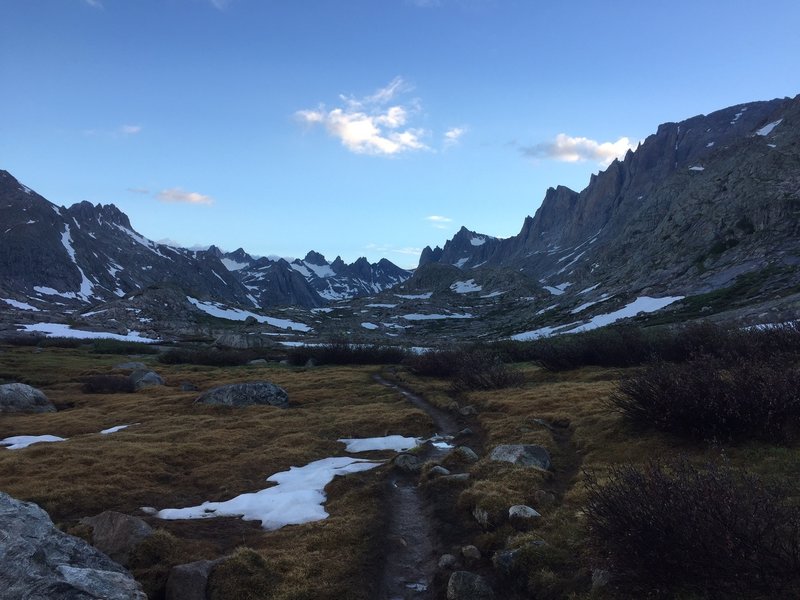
{"points": [[19, 397], [190, 581], [39, 562], [246, 394], [143, 378]]}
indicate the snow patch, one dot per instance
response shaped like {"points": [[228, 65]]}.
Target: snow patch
{"points": [[20, 305], [237, 314], [232, 265], [398, 443], [369, 326], [697, 168], [425, 296], [116, 428], [461, 262], [18, 442], [381, 306], [767, 129], [62, 330], [298, 498], [478, 241], [433, 317], [466, 287]]}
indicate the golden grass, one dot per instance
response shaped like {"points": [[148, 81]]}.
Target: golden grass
{"points": [[182, 454]]}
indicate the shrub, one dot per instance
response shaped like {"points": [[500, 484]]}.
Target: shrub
{"points": [[208, 356], [108, 384], [60, 342], [341, 352], [709, 398], [476, 368], [244, 575], [111, 346], [670, 529]]}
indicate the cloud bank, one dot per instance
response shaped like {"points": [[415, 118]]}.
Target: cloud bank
{"points": [[376, 124], [438, 221], [574, 149]]}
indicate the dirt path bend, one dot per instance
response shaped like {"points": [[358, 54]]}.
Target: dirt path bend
{"points": [[411, 554]]}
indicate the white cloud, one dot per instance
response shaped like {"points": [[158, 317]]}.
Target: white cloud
{"points": [[438, 221], [574, 149], [371, 125], [94, 3], [220, 4], [178, 195], [453, 135], [130, 129]]}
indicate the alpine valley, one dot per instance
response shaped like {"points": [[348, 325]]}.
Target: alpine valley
{"points": [[699, 222]]}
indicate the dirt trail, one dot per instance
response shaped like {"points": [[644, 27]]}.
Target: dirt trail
{"points": [[411, 558]]}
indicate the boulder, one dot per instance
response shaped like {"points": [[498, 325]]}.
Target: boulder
{"points": [[464, 585], [117, 534], [544, 498], [142, 378], [190, 581], [246, 394], [488, 518], [438, 471], [39, 562], [18, 397], [240, 341], [522, 517], [471, 554], [464, 454], [408, 463], [448, 562], [188, 386], [468, 411], [525, 455]]}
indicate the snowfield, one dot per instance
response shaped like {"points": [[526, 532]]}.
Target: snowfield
{"points": [[62, 330], [237, 314]]}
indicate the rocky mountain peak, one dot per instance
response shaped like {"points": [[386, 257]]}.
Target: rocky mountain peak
{"points": [[315, 258]]}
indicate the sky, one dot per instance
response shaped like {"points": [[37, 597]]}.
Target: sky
{"points": [[360, 127]]}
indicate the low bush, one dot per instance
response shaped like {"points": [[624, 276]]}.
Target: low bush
{"points": [[711, 398], [108, 384], [345, 353], [628, 345], [111, 346], [208, 356], [60, 342], [476, 368], [667, 530]]}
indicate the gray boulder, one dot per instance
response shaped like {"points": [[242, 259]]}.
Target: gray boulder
{"points": [[117, 534], [190, 581], [246, 394], [464, 454], [464, 585], [39, 562], [18, 397], [522, 517], [448, 562], [142, 378], [408, 463], [525, 455]]}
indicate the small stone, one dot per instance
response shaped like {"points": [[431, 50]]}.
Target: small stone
{"points": [[257, 362], [464, 454], [468, 411], [522, 517], [438, 471], [471, 554], [311, 362], [187, 386], [408, 463], [544, 498], [448, 562], [601, 578], [455, 478]]}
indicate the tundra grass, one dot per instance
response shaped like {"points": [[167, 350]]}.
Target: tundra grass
{"points": [[180, 454]]}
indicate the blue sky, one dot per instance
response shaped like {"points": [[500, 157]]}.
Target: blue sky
{"points": [[359, 127]]}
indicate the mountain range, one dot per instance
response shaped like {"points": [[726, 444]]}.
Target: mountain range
{"points": [[704, 214]]}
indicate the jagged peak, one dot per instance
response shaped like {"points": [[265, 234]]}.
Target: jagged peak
{"points": [[315, 258]]}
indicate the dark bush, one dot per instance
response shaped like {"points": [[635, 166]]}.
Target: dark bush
{"points": [[111, 346], [60, 342], [627, 345], [476, 368], [711, 398], [108, 384], [208, 356], [345, 353], [668, 530]]}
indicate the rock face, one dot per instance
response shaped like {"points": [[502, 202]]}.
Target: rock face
{"points": [[117, 534], [525, 455], [38, 562], [18, 397], [246, 394], [464, 585]]}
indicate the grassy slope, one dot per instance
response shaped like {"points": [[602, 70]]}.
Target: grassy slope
{"points": [[181, 455]]}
